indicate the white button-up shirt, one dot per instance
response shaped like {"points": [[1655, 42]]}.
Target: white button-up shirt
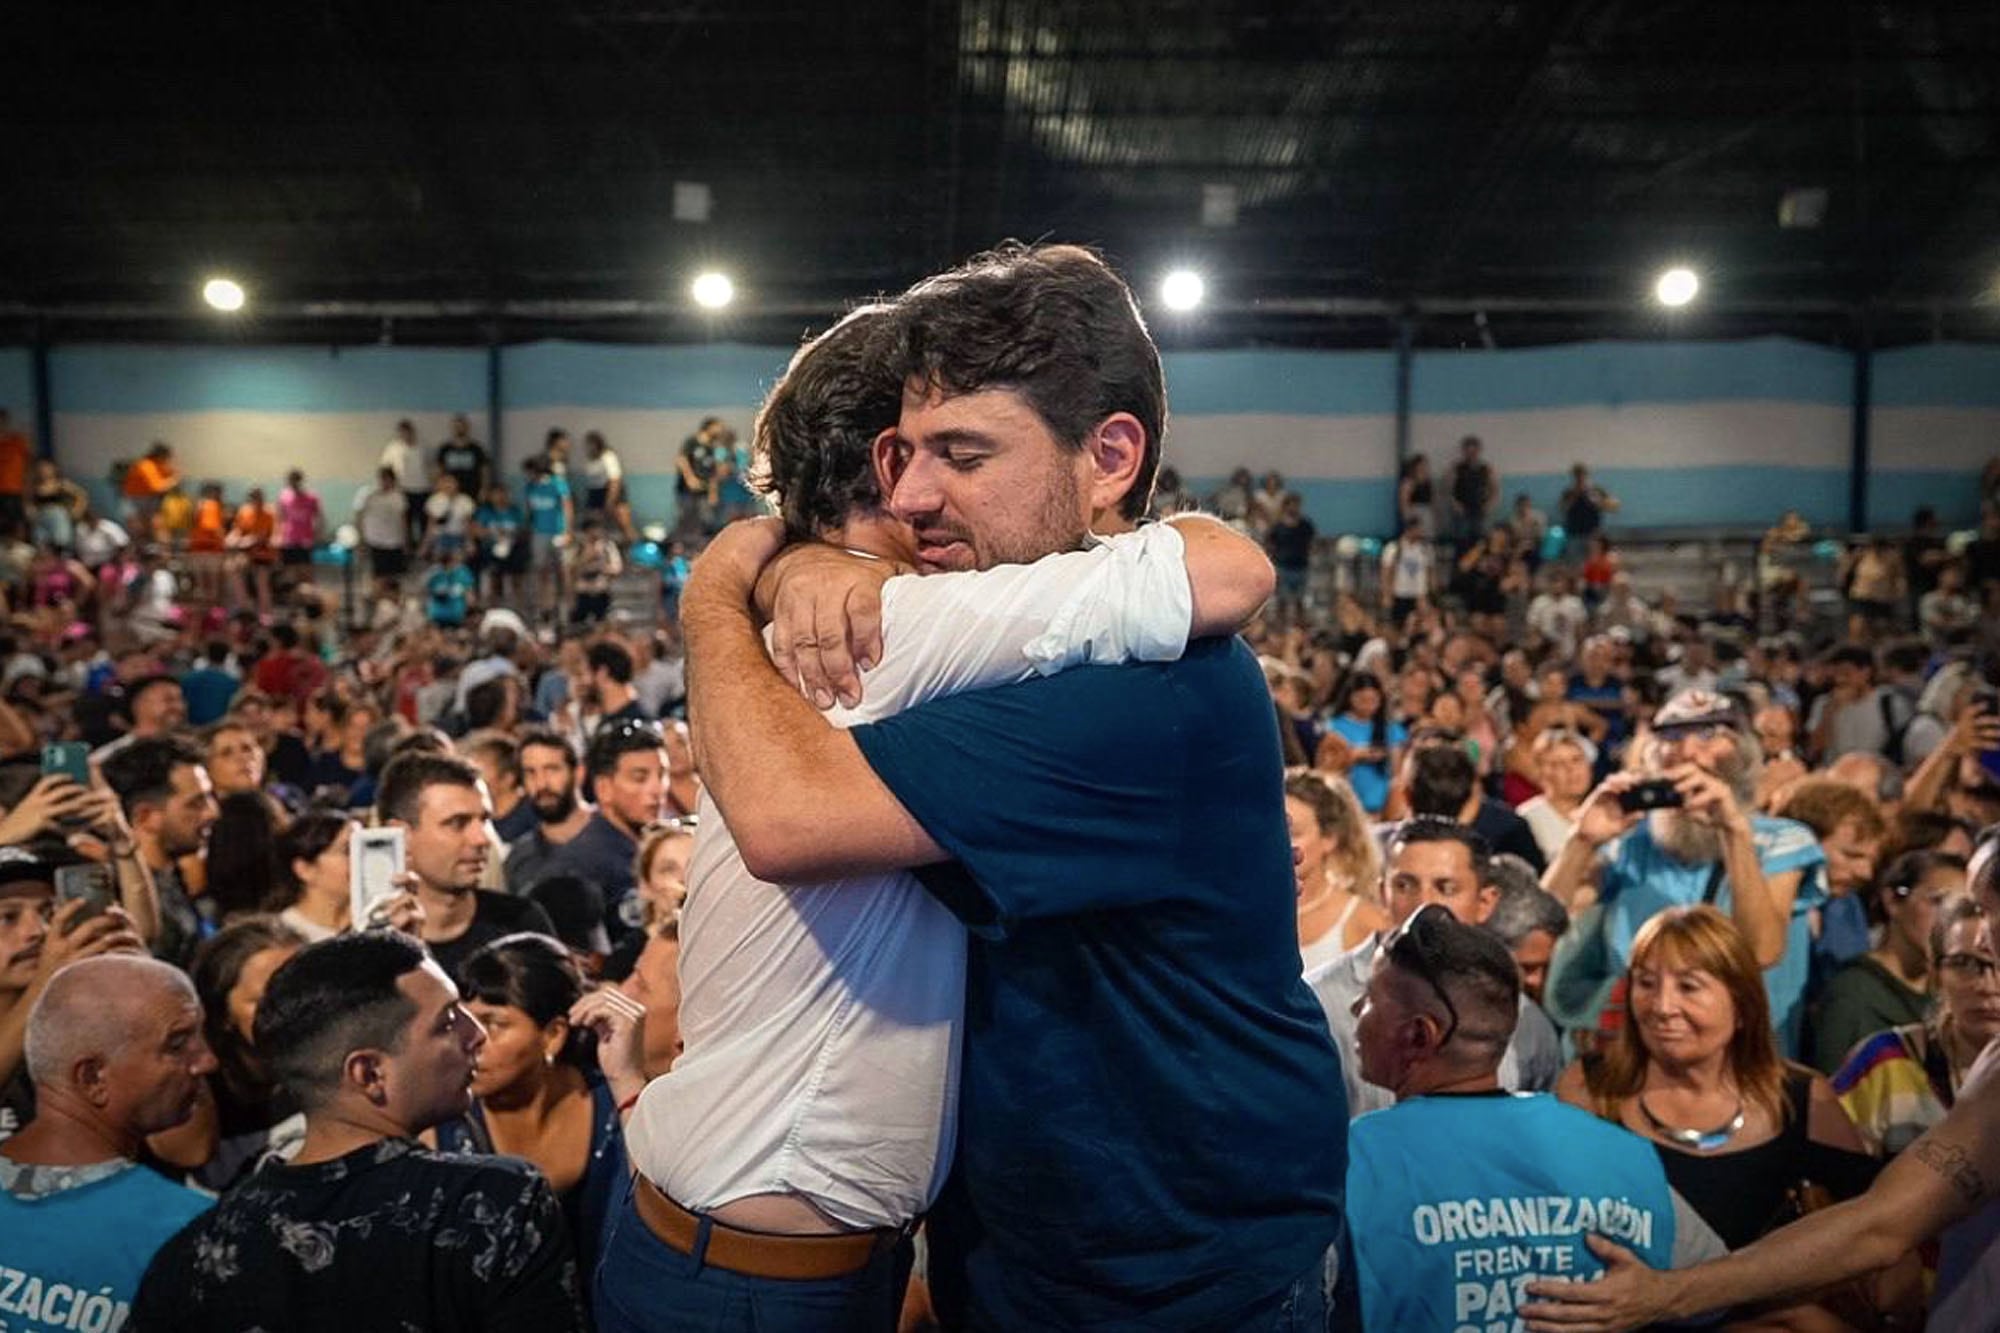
{"points": [[821, 1022]]}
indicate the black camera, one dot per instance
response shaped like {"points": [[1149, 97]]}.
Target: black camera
{"points": [[1652, 794]]}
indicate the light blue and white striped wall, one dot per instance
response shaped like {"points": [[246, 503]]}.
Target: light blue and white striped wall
{"points": [[1936, 421], [1721, 433], [244, 416], [1685, 433]]}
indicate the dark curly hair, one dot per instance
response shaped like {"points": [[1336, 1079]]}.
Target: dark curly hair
{"points": [[1055, 324], [814, 439]]}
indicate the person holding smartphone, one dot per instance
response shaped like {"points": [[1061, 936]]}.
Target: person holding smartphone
{"points": [[85, 819], [1708, 846], [38, 937]]}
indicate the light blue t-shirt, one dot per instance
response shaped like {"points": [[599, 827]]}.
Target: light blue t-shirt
{"points": [[73, 1258], [501, 524], [1456, 1203], [545, 505], [1370, 781], [1639, 880], [449, 590]]}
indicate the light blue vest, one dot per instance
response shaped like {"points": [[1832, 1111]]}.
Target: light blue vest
{"points": [[1456, 1203], [73, 1260]]}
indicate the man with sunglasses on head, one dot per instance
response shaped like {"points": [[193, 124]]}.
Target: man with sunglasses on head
{"points": [[1431, 862], [1443, 1240], [1693, 834], [821, 1087]]}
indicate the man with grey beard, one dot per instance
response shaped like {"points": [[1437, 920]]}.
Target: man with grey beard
{"points": [[1711, 847]]}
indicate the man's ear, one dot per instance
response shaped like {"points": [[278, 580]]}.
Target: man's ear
{"points": [[88, 1077], [1424, 1035], [367, 1073], [1117, 452], [890, 455], [1487, 899]]}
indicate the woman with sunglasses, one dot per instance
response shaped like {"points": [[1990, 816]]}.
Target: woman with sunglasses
{"points": [[1898, 1083], [1890, 985], [1696, 1070]]}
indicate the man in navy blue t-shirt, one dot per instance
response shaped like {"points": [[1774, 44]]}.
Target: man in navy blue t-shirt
{"points": [[1152, 1116]]}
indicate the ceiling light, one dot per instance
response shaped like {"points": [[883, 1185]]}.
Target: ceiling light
{"points": [[224, 294], [1676, 287], [713, 290], [1182, 289]]}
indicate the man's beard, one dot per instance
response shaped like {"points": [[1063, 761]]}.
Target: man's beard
{"points": [[1685, 840], [1692, 842], [553, 807]]}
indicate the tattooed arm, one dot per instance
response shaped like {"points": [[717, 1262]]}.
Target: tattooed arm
{"points": [[1940, 1179]]}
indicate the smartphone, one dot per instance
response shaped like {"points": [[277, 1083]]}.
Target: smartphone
{"points": [[1652, 794], [1987, 700], [374, 863], [69, 758], [95, 884]]}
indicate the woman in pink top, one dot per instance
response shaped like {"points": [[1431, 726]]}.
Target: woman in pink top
{"points": [[298, 521]]}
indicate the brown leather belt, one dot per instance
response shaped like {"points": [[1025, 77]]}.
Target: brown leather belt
{"points": [[756, 1253]]}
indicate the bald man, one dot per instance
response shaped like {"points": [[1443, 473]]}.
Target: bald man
{"points": [[116, 1053]]}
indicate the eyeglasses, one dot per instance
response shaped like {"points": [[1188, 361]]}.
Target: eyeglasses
{"points": [[1971, 966], [678, 824], [1693, 731], [1411, 945]]}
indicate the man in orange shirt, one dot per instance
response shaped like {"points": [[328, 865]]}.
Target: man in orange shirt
{"points": [[147, 480], [252, 543], [15, 453]]}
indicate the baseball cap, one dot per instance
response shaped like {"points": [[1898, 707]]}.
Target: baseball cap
{"points": [[21, 871], [1698, 708]]}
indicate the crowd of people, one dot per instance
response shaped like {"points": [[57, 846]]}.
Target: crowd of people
{"points": [[978, 906], [438, 534]]}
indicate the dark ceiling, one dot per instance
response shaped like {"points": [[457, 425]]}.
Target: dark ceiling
{"points": [[1513, 172]]}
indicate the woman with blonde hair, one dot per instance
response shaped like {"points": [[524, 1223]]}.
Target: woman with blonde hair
{"points": [[1337, 865], [660, 869], [1695, 1068]]}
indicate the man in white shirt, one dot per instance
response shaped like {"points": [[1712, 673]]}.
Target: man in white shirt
{"points": [[1407, 565], [402, 456], [1559, 615], [810, 1120], [382, 513], [448, 514]]}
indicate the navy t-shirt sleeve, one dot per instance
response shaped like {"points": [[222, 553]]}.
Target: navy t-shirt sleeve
{"points": [[1055, 796]]}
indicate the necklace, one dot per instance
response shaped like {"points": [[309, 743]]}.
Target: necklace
{"points": [[1699, 1140]]}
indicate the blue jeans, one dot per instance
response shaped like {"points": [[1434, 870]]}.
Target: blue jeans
{"points": [[645, 1286]]}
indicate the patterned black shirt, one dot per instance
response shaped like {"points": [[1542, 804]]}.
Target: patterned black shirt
{"points": [[391, 1237]]}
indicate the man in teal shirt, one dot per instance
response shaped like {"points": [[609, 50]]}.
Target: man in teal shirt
{"points": [[1461, 1194], [115, 1048], [550, 513]]}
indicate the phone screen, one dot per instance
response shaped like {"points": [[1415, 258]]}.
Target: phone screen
{"points": [[375, 859], [1988, 701], [94, 884], [69, 758]]}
